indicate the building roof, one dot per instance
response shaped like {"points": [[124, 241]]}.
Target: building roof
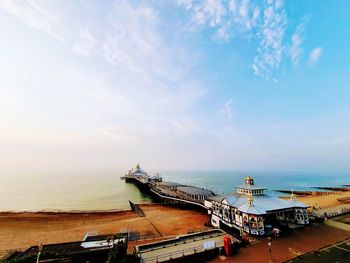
{"points": [[216, 198], [262, 204], [194, 190], [251, 209], [258, 204], [170, 184]]}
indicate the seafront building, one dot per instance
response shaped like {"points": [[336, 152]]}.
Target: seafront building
{"points": [[142, 176], [251, 210]]}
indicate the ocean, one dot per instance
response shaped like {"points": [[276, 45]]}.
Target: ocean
{"points": [[105, 190]]}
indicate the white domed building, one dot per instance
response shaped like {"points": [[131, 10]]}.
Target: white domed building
{"points": [[139, 174], [253, 211]]}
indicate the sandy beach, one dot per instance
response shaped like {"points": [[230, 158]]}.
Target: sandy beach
{"points": [[21, 230], [323, 200]]}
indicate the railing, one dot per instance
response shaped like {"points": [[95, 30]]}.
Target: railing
{"points": [[195, 236], [320, 212], [178, 199], [179, 254]]}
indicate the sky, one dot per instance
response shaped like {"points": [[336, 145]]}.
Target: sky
{"points": [[182, 84]]}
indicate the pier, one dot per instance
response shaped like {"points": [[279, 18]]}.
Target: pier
{"points": [[168, 192]]}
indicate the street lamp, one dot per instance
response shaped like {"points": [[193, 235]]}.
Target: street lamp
{"points": [[40, 248], [269, 244]]}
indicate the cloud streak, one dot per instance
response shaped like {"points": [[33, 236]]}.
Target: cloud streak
{"points": [[265, 22], [227, 110], [315, 55], [33, 14]]}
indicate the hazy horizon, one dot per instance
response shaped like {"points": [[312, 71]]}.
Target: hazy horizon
{"points": [[174, 85]]}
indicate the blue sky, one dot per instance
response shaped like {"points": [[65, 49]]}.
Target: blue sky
{"points": [[241, 85]]}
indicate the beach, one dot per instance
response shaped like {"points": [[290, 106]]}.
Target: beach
{"points": [[323, 199], [24, 229], [20, 230]]}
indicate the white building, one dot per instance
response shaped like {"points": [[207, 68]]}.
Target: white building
{"points": [[139, 174], [251, 210]]}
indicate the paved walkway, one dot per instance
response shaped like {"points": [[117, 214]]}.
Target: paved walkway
{"points": [[293, 244], [337, 224]]}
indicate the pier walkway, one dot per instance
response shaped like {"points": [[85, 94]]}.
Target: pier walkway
{"points": [[179, 200], [174, 194]]}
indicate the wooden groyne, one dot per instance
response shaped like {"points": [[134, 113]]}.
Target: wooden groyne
{"points": [[136, 209], [308, 193], [302, 193], [337, 189]]}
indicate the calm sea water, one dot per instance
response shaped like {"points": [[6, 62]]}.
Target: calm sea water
{"points": [[104, 191]]}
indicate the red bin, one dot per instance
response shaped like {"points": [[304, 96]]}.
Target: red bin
{"points": [[228, 246]]}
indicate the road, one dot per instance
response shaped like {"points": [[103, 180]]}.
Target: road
{"points": [[339, 252]]}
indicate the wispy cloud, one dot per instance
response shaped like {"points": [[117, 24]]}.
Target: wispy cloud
{"points": [[271, 47], [227, 109], [296, 49], [35, 15], [86, 43], [146, 78], [266, 22], [315, 55]]}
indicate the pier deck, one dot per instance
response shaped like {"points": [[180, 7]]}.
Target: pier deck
{"points": [[172, 195]]}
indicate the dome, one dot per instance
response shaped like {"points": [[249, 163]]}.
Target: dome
{"points": [[249, 180]]}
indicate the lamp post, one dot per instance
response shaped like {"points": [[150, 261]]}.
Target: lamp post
{"points": [[269, 244], [40, 248]]}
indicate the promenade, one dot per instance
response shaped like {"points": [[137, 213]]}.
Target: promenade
{"points": [[290, 245]]}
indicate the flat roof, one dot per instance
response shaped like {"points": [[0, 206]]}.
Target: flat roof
{"points": [[194, 190], [181, 246], [169, 184]]}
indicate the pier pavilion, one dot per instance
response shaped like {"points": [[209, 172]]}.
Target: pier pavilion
{"points": [[139, 174], [194, 193], [253, 211]]}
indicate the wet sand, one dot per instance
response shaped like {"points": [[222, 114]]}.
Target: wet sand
{"points": [[21, 230]]}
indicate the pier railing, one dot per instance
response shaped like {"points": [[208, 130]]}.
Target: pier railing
{"points": [[181, 200]]}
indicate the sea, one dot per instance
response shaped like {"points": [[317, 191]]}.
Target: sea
{"points": [[106, 191]]}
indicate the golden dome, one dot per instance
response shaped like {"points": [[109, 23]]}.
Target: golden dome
{"points": [[249, 180]]}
